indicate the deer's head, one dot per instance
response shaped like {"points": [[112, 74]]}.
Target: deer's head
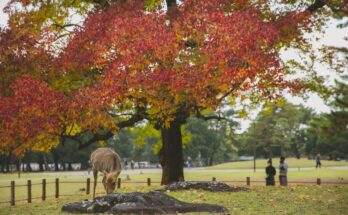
{"points": [[109, 181]]}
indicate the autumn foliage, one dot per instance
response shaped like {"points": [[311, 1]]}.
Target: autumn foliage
{"points": [[125, 59]]}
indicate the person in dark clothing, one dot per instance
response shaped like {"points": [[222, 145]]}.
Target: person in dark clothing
{"points": [[317, 160], [271, 172]]}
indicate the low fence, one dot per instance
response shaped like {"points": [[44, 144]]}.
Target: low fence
{"points": [[57, 183]]}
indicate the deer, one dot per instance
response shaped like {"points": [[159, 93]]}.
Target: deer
{"points": [[108, 162]]}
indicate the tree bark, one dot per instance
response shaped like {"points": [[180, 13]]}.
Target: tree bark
{"points": [[41, 163], [2, 164], [8, 163], [70, 166], [19, 167], [47, 168], [28, 166], [211, 159], [55, 156], [171, 154], [63, 165]]}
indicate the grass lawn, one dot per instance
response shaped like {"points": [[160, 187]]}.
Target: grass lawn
{"points": [[308, 199], [76, 184], [262, 163]]}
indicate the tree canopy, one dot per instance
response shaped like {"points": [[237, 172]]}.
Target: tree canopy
{"points": [[130, 60]]}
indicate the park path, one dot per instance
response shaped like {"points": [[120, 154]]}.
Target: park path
{"points": [[79, 174]]}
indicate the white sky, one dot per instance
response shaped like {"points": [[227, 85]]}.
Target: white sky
{"points": [[333, 36]]}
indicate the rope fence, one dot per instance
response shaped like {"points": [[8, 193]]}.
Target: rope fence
{"points": [[87, 187]]}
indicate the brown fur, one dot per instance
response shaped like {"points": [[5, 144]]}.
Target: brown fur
{"points": [[107, 161]]}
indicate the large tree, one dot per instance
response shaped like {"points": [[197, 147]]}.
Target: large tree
{"points": [[131, 60]]}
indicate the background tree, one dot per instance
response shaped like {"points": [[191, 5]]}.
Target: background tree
{"points": [[279, 128], [211, 141], [328, 133]]}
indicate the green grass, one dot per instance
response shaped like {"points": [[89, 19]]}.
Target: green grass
{"points": [[239, 178], [261, 163], [327, 199]]}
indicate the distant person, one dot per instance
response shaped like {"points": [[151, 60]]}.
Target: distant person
{"points": [[317, 161], [125, 164], [132, 164], [283, 170], [271, 172], [189, 162]]}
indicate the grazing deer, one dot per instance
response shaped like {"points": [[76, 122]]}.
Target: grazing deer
{"points": [[108, 162]]}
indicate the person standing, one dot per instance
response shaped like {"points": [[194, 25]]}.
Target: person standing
{"points": [[317, 160], [125, 164], [132, 164], [283, 170], [271, 172], [189, 162]]}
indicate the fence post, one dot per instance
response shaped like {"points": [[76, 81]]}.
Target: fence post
{"points": [[88, 185], [148, 181], [57, 188], [318, 181], [248, 181], [214, 179], [43, 189], [119, 183], [12, 193], [29, 191]]}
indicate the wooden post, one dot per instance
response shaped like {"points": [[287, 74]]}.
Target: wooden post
{"points": [[214, 179], [148, 181], [43, 189], [57, 188], [248, 181], [29, 191], [318, 181], [88, 186], [12, 193], [118, 183]]}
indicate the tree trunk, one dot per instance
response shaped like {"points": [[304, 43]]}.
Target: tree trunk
{"points": [[55, 157], [56, 166], [2, 164], [28, 165], [8, 161], [70, 166], [171, 154], [282, 150], [216, 145], [47, 168], [41, 161], [19, 167], [63, 165]]}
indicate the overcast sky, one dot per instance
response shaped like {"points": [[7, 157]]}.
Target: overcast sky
{"points": [[333, 37]]}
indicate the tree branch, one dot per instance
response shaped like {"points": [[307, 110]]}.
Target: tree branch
{"points": [[96, 137], [319, 4], [206, 118], [66, 26], [233, 88], [316, 5], [138, 116]]}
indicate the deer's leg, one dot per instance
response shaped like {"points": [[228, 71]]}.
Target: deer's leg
{"points": [[95, 175], [104, 182]]}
